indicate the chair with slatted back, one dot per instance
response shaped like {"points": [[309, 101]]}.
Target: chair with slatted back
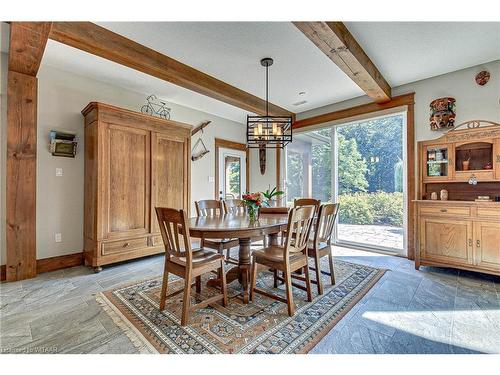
{"points": [[299, 202], [233, 206], [321, 243], [288, 258], [185, 262], [212, 207]]}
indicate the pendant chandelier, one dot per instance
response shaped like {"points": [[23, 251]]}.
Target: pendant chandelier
{"points": [[268, 131]]}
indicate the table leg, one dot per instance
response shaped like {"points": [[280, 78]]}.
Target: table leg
{"points": [[244, 267], [273, 239], [241, 272]]}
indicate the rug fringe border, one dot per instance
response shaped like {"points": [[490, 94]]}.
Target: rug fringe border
{"points": [[136, 338]]}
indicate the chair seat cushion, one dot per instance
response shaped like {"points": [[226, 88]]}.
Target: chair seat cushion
{"points": [[200, 257], [275, 254]]}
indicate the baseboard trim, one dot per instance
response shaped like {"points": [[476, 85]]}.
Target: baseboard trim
{"points": [[52, 264]]}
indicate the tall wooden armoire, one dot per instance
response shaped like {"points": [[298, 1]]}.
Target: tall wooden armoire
{"points": [[133, 163]]}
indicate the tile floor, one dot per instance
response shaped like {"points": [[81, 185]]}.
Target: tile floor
{"points": [[428, 311]]}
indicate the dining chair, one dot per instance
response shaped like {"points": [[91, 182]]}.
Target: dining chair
{"points": [[321, 243], [288, 258], [185, 262], [299, 202], [212, 207], [233, 206]]}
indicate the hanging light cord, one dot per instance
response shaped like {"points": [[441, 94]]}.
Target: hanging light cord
{"points": [[267, 90]]}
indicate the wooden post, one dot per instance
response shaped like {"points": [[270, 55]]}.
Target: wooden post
{"points": [[21, 176], [27, 44]]}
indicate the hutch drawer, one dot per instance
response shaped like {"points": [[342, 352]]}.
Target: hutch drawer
{"points": [[445, 211]]}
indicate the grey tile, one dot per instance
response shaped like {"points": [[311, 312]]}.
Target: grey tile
{"points": [[353, 339], [407, 343]]}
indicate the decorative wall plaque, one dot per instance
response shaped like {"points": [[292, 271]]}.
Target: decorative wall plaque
{"points": [[442, 113], [482, 77]]}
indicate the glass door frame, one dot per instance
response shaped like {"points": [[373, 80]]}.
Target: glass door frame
{"points": [[404, 251]]}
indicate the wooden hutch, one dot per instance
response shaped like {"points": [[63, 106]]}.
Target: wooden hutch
{"points": [[460, 232], [133, 163]]}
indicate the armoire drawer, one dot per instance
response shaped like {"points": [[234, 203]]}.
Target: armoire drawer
{"points": [[444, 210], [123, 246]]}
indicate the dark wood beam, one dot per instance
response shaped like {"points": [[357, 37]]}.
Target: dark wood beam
{"points": [[335, 41], [397, 101], [27, 44], [102, 42], [21, 176]]}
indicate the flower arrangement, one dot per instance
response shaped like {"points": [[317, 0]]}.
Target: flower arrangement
{"points": [[252, 201]]}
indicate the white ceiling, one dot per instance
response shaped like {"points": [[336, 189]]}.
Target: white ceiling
{"points": [[403, 52], [406, 52]]}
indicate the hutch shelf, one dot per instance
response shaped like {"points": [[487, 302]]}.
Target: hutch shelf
{"points": [[460, 231]]}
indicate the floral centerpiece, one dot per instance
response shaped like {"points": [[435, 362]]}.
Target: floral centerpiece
{"points": [[252, 201]]}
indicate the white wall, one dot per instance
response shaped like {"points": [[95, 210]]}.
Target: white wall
{"points": [[61, 97], [473, 101], [259, 182]]}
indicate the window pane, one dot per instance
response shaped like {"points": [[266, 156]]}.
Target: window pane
{"points": [[370, 182]]}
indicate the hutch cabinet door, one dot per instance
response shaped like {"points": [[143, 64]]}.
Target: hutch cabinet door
{"points": [[169, 169], [487, 244], [438, 163], [446, 240], [126, 181], [496, 158]]}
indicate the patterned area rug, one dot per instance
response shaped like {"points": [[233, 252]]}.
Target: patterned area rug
{"points": [[263, 326]]}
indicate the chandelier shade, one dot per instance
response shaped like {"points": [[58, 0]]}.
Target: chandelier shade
{"points": [[271, 131], [268, 131]]}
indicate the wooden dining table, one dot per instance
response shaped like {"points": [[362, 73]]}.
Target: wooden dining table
{"points": [[241, 227]]}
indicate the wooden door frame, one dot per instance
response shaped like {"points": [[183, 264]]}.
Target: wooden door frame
{"points": [[224, 143], [407, 100]]}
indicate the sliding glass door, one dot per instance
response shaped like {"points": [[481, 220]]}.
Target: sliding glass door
{"points": [[369, 183], [362, 166]]}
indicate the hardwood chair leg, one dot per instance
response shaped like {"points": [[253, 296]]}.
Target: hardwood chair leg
{"points": [[223, 284], [186, 302], [198, 284], [220, 271], [330, 260], [289, 294], [317, 265], [275, 275], [308, 283], [164, 287], [253, 279]]}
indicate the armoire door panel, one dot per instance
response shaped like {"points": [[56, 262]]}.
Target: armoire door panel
{"points": [[169, 170], [128, 156]]}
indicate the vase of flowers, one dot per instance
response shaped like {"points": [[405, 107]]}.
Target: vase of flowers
{"points": [[252, 202]]}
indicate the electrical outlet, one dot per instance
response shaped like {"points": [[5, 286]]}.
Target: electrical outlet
{"points": [[59, 172], [211, 179], [58, 237]]}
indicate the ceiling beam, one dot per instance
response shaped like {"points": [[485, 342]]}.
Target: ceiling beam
{"points": [[27, 43], [397, 101], [335, 41], [102, 42]]}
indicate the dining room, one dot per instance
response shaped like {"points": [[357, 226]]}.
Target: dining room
{"points": [[167, 188]]}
